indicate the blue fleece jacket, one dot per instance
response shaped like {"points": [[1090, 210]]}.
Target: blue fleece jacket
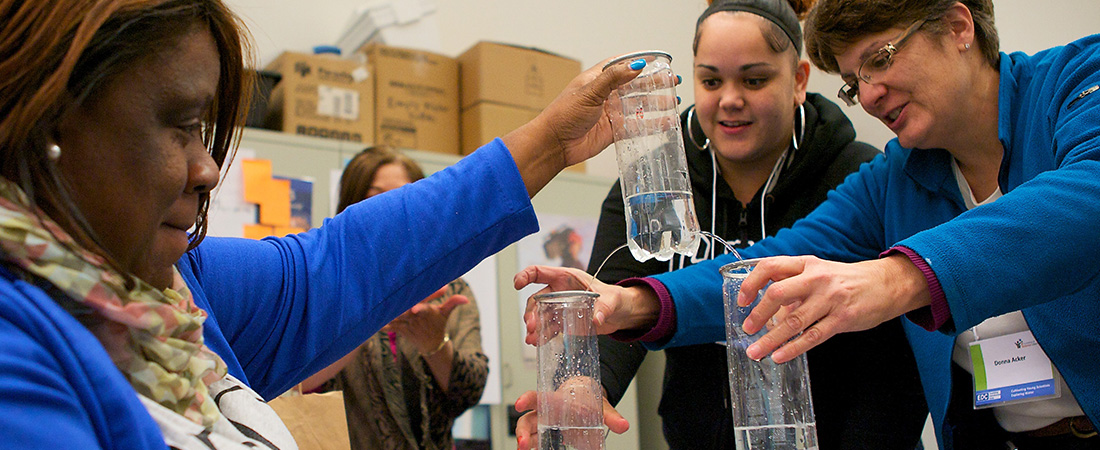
{"points": [[280, 309], [1036, 249]]}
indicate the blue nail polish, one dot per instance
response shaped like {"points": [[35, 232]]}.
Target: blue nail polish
{"points": [[677, 99], [679, 80], [637, 64]]}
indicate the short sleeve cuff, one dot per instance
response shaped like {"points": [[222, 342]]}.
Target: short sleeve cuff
{"points": [[666, 318], [937, 314]]}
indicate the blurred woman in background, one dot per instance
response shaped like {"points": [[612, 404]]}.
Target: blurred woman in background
{"points": [[404, 387]]}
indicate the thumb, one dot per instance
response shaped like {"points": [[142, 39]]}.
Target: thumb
{"points": [[611, 78], [600, 314]]}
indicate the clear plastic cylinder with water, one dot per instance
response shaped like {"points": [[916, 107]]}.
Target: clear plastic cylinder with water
{"points": [[772, 406], [570, 397]]}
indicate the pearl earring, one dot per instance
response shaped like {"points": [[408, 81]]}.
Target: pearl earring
{"points": [[53, 152], [966, 46]]}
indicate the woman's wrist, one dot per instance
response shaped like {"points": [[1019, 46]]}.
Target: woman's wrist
{"points": [[650, 316], [938, 314], [645, 308], [538, 155], [439, 348]]}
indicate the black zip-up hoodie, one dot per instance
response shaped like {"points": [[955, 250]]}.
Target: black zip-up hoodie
{"points": [[858, 403]]}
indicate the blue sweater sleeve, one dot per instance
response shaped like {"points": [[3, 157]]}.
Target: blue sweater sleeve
{"points": [[846, 227], [1039, 240], [290, 306]]}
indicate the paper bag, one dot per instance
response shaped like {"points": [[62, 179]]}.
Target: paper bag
{"points": [[316, 421]]}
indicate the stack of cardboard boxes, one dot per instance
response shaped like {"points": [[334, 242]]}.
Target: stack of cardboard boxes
{"points": [[505, 86], [411, 99], [383, 95]]}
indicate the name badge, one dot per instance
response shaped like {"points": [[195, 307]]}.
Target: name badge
{"points": [[1011, 369]]}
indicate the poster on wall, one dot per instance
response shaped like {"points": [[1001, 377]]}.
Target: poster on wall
{"points": [[562, 241], [301, 202]]}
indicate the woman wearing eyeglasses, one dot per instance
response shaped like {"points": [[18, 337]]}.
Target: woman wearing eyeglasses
{"points": [[978, 224]]}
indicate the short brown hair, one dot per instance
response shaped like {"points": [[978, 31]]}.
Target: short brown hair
{"points": [[358, 176], [833, 25], [58, 54]]}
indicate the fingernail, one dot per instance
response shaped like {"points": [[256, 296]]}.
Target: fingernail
{"points": [[753, 352], [599, 317], [747, 324], [679, 80], [637, 64], [677, 99]]}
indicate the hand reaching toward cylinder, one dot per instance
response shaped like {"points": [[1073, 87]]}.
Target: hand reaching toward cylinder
{"points": [[823, 298]]}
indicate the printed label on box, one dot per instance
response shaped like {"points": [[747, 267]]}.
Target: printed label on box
{"points": [[337, 102]]}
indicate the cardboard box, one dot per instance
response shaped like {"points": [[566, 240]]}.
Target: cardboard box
{"points": [[416, 98], [322, 96], [513, 75], [485, 121], [504, 86]]}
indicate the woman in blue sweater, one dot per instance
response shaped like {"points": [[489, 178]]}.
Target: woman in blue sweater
{"points": [[121, 327], [977, 225]]}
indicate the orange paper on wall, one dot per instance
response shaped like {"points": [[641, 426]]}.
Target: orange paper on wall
{"points": [[275, 204], [256, 174], [272, 196], [261, 231]]}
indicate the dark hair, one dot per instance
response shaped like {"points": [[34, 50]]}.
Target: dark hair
{"points": [[833, 25], [358, 176], [779, 21], [58, 54]]}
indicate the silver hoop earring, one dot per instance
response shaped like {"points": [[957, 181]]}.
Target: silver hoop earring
{"points": [[53, 152], [799, 128], [691, 134]]}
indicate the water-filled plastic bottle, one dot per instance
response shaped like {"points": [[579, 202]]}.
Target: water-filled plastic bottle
{"points": [[660, 213]]}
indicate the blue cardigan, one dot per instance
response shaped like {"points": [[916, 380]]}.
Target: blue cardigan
{"points": [[1036, 249], [280, 309]]}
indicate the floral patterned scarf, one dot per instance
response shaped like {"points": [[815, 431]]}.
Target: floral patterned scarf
{"points": [[154, 337]]}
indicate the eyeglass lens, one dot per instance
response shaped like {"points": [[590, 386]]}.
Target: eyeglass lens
{"points": [[875, 65]]}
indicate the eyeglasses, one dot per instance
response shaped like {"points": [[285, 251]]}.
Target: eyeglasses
{"points": [[875, 65]]}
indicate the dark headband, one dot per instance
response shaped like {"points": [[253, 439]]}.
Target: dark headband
{"points": [[778, 12]]}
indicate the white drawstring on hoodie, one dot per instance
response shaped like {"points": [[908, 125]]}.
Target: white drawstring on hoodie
{"points": [[779, 165]]}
